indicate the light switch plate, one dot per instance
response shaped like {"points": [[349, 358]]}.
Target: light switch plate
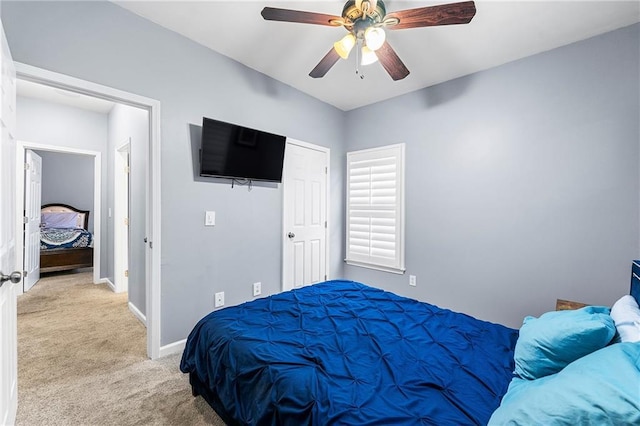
{"points": [[209, 218]]}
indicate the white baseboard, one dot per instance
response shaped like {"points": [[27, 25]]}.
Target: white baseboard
{"points": [[135, 311], [173, 348], [108, 282]]}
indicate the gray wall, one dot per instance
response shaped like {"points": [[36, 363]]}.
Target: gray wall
{"points": [[521, 181], [57, 125], [103, 43], [129, 123], [68, 179]]}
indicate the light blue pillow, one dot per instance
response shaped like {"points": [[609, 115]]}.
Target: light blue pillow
{"points": [[548, 343], [602, 388]]}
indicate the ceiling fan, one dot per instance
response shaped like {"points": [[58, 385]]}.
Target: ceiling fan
{"points": [[365, 21]]}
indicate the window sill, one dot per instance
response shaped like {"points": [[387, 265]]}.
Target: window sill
{"points": [[376, 267]]}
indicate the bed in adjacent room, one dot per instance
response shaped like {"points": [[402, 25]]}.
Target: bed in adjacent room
{"points": [[65, 240], [341, 352]]}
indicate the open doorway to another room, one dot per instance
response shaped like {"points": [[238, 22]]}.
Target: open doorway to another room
{"points": [[128, 116], [95, 153], [60, 194]]}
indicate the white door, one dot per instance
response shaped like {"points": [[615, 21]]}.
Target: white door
{"points": [[305, 178], [9, 288], [32, 205]]}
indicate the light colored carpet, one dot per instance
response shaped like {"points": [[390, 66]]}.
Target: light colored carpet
{"points": [[82, 361]]}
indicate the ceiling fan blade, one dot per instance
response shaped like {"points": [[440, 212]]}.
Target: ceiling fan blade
{"points": [[325, 64], [391, 62], [444, 14], [288, 15]]}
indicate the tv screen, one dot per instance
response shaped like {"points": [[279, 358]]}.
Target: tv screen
{"points": [[237, 152]]}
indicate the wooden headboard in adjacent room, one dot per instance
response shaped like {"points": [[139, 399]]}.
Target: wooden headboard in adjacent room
{"points": [[83, 215]]}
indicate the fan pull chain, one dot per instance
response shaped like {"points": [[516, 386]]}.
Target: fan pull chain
{"points": [[358, 60]]}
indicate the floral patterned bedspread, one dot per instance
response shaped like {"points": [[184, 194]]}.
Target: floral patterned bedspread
{"points": [[54, 238]]}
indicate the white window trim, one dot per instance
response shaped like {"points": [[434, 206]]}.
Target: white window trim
{"points": [[398, 152]]}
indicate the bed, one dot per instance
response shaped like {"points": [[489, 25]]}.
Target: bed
{"points": [[65, 241], [341, 352]]}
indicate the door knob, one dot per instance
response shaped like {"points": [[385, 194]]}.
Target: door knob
{"points": [[15, 277], [291, 235]]}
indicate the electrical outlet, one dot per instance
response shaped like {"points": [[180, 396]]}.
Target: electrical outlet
{"points": [[209, 218], [257, 288], [412, 280], [219, 299]]}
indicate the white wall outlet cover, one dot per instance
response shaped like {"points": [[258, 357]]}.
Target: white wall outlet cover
{"points": [[412, 280], [257, 289], [219, 299], [209, 218]]}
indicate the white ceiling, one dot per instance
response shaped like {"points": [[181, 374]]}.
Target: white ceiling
{"points": [[500, 32]]}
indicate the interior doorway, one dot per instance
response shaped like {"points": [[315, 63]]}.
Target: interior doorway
{"points": [[151, 197], [27, 249]]}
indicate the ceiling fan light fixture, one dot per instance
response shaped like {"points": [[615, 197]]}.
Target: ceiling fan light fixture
{"points": [[375, 37], [368, 56], [344, 45]]}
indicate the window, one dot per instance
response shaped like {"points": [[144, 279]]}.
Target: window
{"points": [[375, 208]]}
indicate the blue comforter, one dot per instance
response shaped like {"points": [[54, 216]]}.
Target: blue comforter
{"points": [[341, 352]]}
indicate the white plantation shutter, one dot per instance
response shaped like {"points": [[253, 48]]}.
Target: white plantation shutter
{"points": [[375, 208]]}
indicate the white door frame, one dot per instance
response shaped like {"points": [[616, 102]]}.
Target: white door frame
{"points": [[21, 149], [153, 205], [120, 212], [285, 213]]}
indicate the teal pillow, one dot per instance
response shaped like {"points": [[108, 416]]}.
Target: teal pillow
{"points": [[602, 388], [548, 343]]}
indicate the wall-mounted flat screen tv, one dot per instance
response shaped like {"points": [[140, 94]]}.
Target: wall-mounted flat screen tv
{"points": [[236, 152]]}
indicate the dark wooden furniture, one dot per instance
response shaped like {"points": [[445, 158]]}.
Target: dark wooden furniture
{"points": [[563, 305], [65, 259]]}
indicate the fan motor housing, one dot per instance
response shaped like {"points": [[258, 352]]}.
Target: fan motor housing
{"points": [[352, 14]]}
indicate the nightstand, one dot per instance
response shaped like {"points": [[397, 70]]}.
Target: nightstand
{"points": [[563, 305]]}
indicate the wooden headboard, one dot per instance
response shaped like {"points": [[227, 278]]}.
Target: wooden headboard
{"points": [[83, 215]]}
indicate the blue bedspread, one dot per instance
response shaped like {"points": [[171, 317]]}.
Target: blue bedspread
{"points": [[341, 352]]}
